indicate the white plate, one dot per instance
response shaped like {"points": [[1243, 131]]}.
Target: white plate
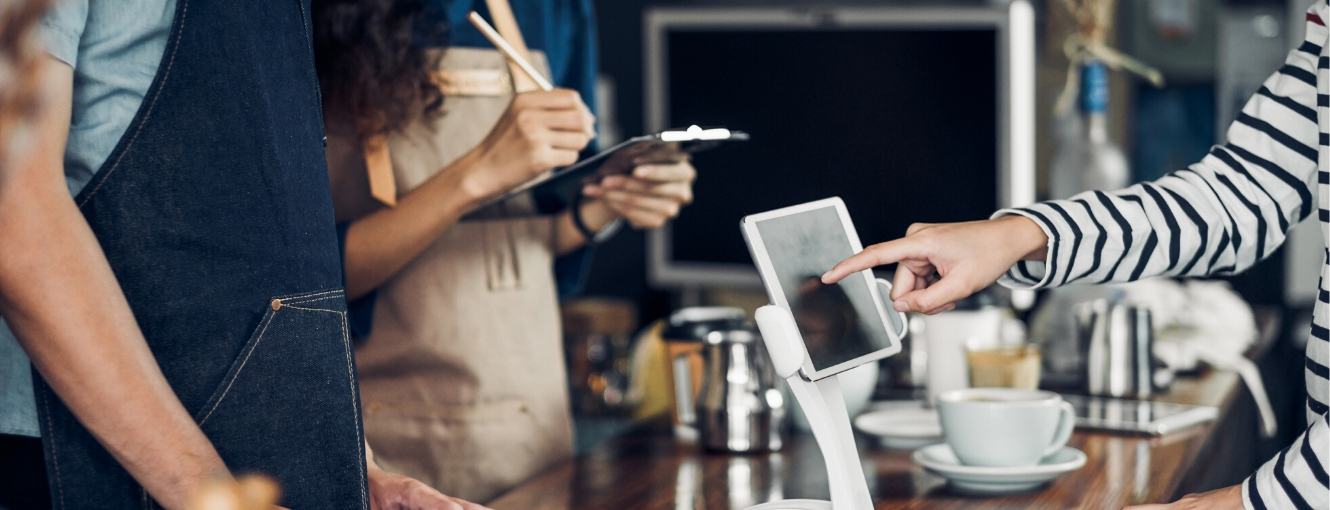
{"points": [[901, 426], [940, 460]]}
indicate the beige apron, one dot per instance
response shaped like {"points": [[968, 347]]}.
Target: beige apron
{"points": [[463, 378]]}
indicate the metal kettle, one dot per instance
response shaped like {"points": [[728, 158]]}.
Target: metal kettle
{"points": [[739, 407]]}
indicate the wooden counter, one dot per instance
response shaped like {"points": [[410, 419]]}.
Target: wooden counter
{"points": [[648, 469]]}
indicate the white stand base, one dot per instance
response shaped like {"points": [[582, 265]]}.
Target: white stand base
{"points": [[794, 504], [824, 405]]}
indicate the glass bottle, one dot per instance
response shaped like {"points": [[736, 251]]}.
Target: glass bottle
{"points": [[1085, 158]]}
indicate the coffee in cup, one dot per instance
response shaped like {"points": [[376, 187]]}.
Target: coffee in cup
{"points": [[1007, 366], [1004, 427]]}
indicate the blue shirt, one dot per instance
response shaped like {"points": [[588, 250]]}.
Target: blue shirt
{"points": [[114, 48], [566, 31]]}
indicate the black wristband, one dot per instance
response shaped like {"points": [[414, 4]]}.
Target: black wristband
{"points": [[591, 236]]}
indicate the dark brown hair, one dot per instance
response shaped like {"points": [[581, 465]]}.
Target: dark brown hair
{"points": [[373, 61], [20, 59]]}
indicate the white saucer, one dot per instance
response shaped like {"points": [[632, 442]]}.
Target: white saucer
{"points": [[940, 460], [903, 426]]}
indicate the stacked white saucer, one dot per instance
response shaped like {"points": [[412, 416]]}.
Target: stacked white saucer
{"points": [[1002, 440]]}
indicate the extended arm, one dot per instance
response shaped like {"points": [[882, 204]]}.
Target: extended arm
{"points": [[1221, 215], [58, 294]]}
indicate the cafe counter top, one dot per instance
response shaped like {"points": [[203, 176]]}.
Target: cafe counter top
{"points": [[647, 468]]}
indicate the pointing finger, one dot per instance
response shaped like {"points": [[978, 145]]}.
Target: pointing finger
{"points": [[875, 255]]}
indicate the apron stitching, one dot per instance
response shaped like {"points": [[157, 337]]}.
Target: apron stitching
{"points": [[355, 408], [288, 305], [306, 301], [253, 348], [184, 8], [301, 297], [55, 457]]}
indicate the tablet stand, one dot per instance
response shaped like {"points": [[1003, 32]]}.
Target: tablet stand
{"points": [[824, 406]]}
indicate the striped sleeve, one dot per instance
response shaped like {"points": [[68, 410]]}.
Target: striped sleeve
{"points": [[1219, 216], [1296, 478]]}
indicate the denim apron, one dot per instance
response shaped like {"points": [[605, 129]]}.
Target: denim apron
{"points": [[215, 214]]}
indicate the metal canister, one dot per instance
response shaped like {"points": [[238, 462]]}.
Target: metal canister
{"points": [[1118, 340]]}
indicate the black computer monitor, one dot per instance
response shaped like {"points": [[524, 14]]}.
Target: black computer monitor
{"points": [[904, 113]]}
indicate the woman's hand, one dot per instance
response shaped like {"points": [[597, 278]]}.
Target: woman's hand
{"points": [[942, 263], [391, 491], [648, 197], [1227, 498], [540, 131]]}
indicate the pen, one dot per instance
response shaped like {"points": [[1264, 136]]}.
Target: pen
{"points": [[508, 51]]}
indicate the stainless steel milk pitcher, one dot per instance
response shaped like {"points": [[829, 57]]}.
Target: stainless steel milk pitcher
{"points": [[739, 407], [1117, 340]]}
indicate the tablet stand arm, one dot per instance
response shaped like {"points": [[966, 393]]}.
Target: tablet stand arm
{"points": [[824, 405]]}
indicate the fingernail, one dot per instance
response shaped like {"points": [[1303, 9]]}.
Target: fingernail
{"points": [[901, 306], [642, 172], [825, 275]]}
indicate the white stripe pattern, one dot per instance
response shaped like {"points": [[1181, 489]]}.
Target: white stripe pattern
{"points": [[1221, 216]]}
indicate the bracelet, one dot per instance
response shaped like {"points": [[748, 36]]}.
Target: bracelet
{"points": [[591, 236]]}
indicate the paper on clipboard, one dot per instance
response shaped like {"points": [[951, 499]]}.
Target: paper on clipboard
{"points": [[564, 184]]}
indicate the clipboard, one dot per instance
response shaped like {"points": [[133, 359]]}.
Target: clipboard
{"points": [[561, 187]]}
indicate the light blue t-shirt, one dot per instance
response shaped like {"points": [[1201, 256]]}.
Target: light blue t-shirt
{"points": [[114, 48]]}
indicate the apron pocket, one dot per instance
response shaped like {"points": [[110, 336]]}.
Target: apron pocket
{"points": [[289, 393]]}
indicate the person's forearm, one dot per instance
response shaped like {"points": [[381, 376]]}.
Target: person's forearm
{"points": [[59, 296], [595, 214], [66, 309], [382, 243], [1026, 234]]}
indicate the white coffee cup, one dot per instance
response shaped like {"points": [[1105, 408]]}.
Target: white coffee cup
{"points": [[1004, 427]]}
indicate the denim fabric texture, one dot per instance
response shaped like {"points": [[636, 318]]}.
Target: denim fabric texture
{"points": [[215, 213]]}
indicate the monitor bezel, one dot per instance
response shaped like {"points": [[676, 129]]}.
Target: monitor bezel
{"points": [[1014, 24]]}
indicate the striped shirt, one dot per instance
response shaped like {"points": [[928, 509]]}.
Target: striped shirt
{"points": [[1221, 216]]}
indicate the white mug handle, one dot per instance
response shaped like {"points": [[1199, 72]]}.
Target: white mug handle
{"points": [[1066, 423]]}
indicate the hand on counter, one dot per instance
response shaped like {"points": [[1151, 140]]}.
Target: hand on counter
{"points": [[391, 491], [942, 263], [1228, 498], [648, 197]]}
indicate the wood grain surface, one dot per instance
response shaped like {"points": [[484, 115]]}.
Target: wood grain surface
{"points": [[649, 469]]}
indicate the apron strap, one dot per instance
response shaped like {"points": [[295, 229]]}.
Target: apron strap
{"points": [[378, 163], [382, 183], [506, 24]]}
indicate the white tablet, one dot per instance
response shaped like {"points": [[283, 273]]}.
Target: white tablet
{"points": [[843, 325]]}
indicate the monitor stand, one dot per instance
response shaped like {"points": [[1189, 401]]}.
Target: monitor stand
{"points": [[824, 406]]}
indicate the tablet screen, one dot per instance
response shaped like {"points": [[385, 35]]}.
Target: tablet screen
{"points": [[839, 322]]}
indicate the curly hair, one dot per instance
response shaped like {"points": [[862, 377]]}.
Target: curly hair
{"points": [[19, 63], [374, 63]]}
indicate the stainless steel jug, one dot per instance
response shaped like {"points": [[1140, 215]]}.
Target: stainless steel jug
{"points": [[685, 336], [1117, 340], [739, 408]]}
